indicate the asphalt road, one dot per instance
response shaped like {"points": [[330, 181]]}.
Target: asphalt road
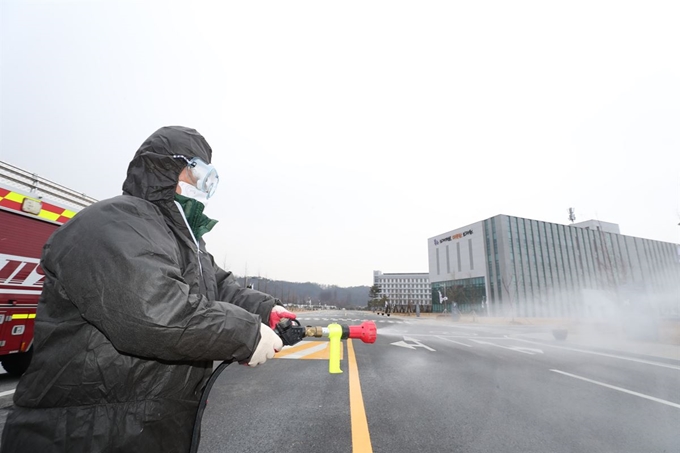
{"points": [[433, 386], [436, 386], [7, 385]]}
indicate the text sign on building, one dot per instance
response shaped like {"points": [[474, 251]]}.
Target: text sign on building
{"points": [[452, 237]]}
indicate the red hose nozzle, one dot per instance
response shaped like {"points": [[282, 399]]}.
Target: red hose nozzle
{"points": [[366, 332]]}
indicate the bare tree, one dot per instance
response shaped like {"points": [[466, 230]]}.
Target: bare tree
{"points": [[506, 285]]}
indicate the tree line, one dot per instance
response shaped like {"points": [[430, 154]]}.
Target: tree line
{"points": [[302, 293]]}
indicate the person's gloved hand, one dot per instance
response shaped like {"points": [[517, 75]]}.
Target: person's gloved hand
{"points": [[278, 313], [269, 344]]}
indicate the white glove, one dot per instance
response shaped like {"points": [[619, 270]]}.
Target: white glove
{"points": [[269, 344]]}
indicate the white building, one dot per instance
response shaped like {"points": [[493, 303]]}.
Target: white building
{"points": [[404, 291], [457, 262], [508, 265]]}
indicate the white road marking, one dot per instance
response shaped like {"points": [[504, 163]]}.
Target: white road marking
{"points": [[454, 341], [603, 354], [418, 343], [301, 319], [403, 344], [534, 350], [454, 334], [412, 345], [518, 349], [306, 352], [630, 392], [467, 337], [8, 392]]}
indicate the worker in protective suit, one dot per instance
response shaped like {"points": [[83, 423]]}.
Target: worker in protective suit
{"points": [[133, 313]]}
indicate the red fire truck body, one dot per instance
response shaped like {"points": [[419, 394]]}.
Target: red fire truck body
{"points": [[31, 209]]}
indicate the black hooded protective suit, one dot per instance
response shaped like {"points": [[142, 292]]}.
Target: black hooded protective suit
{"points": [[131, 317]]}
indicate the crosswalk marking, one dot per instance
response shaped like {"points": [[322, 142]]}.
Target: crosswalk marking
{"points": [[314, 350], [345, 320]]}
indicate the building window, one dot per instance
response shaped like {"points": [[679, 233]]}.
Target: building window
{"points": [[458, 255], [448, 261]]}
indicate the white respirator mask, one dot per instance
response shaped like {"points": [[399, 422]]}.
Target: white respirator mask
{"points": [[190, 191]]}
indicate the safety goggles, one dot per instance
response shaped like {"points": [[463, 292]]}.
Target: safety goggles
{"points": [[203, 176]]}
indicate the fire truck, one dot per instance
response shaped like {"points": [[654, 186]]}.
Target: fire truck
{"points": [[31, 209]]}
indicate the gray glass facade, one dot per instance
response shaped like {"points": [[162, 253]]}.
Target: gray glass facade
{"points": [[542, 269], [468, 294]]}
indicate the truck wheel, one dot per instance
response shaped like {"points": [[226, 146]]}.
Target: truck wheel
{"points": [[17, 364]]}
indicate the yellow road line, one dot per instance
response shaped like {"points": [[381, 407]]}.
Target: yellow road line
{"points": [[361, 439]]}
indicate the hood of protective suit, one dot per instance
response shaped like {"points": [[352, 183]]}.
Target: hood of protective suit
{"points": [[153, 172]]}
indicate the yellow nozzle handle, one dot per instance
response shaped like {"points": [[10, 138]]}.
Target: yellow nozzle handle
{"points": [[334, 335]]}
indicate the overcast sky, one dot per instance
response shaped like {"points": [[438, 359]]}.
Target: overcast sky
{"points": [[348, 133]]}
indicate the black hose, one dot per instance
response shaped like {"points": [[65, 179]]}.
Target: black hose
{"points": [[196, 436]]}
